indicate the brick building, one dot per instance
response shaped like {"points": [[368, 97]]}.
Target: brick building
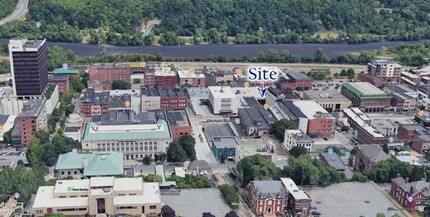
{"points": [[402, 189], [320, 122], [295, 80], [165, 77], [267, 197], [368, 157], [94, 103], [178, 122], [375, 81], [256, 121], [365, 133], [386, 70], [366, 96], [61, 80], [32, 119], [415, 135], [110, 72], [298, 202], [161, 98], [194, 80]]}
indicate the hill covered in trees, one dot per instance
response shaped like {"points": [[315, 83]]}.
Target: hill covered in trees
{"points": [[7, 7], [238, 21]]}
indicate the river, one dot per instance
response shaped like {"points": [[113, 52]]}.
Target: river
{"points": [[228, 50]]}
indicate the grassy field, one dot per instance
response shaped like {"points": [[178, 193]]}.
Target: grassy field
{"points": [[327, 34]]}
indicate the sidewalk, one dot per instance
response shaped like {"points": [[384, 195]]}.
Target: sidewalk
{"points": [[398, 206]]}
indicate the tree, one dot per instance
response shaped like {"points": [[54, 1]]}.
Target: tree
{"points": [[344, 128], [279, 127], [121, 85], [380, 215], [223, 158], [350, 73], [319, 56], [169, 39], [167, 211], [359, 177], [207, 214], [7, 136], [297, 151], [188, 142], [147, 159], [230, 194], [231, 214], [152, 178], [254, 167], [385, 148], [175, 153]]}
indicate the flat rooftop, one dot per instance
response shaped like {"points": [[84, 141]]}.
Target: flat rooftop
{"points": [[311, 109], [333, 160], [217, 130], [198, 92], [45, 198], [142, 131], [36, 106], [225, 142], [164, 72], [175, 117], [326, 96], [364, 89], [222, 91], [19, 44], [186, 74], [109, 66], [298, 76], [356, 117], [161, 91]]}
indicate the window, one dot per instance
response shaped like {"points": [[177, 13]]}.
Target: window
{"points": [[153, 207], [73, 196], [76, 172], [121, 194], [39, 211]]}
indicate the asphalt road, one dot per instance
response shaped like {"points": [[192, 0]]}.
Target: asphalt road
{"points": [[20, 10]]}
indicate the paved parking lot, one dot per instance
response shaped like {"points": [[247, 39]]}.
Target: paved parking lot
{"points": [[10, 154], [350, 199], [193, 202]]}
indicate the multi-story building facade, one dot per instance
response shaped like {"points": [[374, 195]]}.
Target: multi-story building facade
{"points": [[61, 80], [107, 196], [134, 140], [366, 96], [415, 135], [191, 79], [360, 122], [294, 138], [410, 195], [267, 197], [29, 67], [224, 146], [110, 72], [320, 122], [371, 79], [295, 80], [161, 98], [404, 99], [165, 77], [178, 122], [387, 70], [32, 119], [298, 202], [223, 100]]}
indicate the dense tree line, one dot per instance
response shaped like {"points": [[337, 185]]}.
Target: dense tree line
{"points": [[7, 7], [182, 149], [254, 21], [191, 181]]}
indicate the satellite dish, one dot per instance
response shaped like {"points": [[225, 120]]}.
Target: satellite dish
{"points": [[186, 164]]}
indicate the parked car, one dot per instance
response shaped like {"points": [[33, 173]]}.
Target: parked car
{"points": [[315, 213]]}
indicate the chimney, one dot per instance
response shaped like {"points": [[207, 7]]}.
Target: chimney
{"points": [[26, 107], [412, 188], [407, 179]]}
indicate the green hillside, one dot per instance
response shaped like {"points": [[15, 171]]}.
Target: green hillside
{"points": [[7, 7]]}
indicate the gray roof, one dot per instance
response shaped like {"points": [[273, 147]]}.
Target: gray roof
{"points": [[161, 91], [256, 117], [298, 76], [119, 117], [251, 102], [266, 188], [374, 152], [225, 142], [108, 66], [36, 106], [99, 98], [291, 110], [417, 186], [333, 160], [398, 91], [419, 129], [3, 119], [282, 94], [202, 164], [55, 77], [217, 130]]}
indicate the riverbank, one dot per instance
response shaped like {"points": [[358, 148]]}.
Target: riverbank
{"points": [[227, 50]]}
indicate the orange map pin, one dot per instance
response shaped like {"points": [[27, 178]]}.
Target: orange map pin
{"points": [[127, 104], [143, 64]]}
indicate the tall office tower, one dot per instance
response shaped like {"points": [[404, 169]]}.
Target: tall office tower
{"points": [[29, 67]]}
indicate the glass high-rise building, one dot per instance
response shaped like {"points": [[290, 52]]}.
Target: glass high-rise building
{"points": [[29, 67]]}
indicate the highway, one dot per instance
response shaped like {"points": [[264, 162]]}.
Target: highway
{"points": [[20, 10]]}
